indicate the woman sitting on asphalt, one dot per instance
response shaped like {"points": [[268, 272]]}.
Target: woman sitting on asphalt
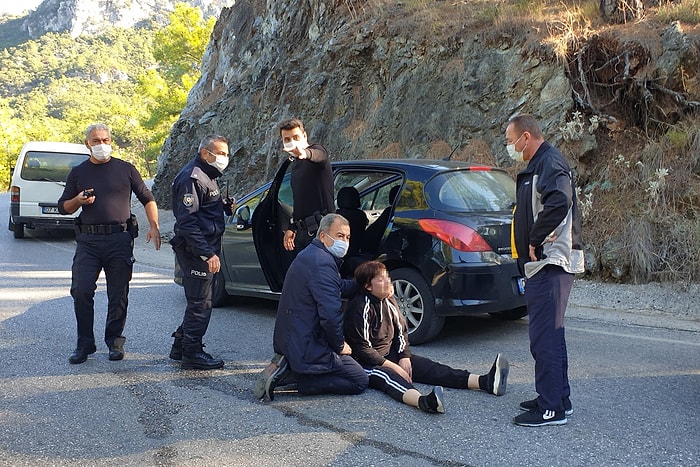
{"points": [[377, 333]]}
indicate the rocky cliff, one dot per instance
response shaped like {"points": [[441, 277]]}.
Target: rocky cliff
{"points": [[364, 89], [372, 80], [92, 16]]}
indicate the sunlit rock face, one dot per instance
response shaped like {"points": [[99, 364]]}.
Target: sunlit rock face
{"points": [[93, 16], [363, 89]]}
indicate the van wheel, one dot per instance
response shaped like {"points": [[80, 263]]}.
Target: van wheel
{"points": [[417, 304], [219, 296], [17, 229]]}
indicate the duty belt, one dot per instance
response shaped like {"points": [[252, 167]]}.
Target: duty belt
{"points": [[300, 224], [101, 229]]}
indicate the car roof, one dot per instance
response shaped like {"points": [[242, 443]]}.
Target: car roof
{"points": [[433, 164]]}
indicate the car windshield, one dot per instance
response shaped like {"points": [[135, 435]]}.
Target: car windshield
{"points": [[50, 166], [471, 190]]}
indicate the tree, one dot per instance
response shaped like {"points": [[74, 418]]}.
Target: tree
{"points": [[53, 87], [179, 50], [181, 44]]}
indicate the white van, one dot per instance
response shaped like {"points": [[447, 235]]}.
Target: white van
{"points": [[37, 182]]}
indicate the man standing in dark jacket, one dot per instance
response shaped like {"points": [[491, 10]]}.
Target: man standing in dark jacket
{"points": [[548, 247], [309, 326], [199, 224], [312, 184]]}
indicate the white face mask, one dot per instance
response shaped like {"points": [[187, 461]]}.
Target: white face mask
{"points": [[221, 162], [101, 152], [517, 156], [339, 248], [292, 145]]}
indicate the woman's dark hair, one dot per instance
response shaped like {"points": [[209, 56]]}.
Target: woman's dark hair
{"points": [[367, 271]]}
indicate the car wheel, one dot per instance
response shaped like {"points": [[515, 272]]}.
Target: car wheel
{"points": [[417, 304], [17, 229], [219, 296], [511, 315]]}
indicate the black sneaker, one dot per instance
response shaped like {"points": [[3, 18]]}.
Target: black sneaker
{"points": [[200, 361], [276, 377], [532, 405], [538, 417], [433, 402], [497, 378]]}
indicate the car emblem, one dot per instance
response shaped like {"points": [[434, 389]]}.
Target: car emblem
{"points": [[188, 200]]}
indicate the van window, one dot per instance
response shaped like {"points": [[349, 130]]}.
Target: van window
{"points": [[49, 166]]}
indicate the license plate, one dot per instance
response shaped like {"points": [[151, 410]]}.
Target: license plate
{"points": [[521, 286], [49, 209]]}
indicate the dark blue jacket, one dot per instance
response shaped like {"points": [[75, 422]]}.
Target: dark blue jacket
{"points": [[546, 209], [198, 209], [309, 325]]}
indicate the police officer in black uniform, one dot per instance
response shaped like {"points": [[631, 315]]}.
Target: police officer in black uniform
{"points": [[199, 223], [105, 232]]}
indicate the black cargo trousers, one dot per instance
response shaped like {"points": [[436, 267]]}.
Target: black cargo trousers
{"points": [[197, 281], [113, 253]]}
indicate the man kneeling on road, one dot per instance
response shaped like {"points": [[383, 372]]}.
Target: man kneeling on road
{"points": [[309, 326]]}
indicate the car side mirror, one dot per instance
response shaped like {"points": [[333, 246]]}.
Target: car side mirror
{"points": [[243, 218]]}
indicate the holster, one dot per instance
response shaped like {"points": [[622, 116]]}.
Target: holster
{"points": [[132, 225], [312, 222]]}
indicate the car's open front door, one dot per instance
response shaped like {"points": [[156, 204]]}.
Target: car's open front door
{"points": [[270, 220]]}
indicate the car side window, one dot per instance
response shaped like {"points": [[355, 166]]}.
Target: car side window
{"points": [[373, 186], [244, 212], [285, 196]]}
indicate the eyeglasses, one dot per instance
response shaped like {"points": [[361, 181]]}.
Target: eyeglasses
{"points": [[225, 154]]}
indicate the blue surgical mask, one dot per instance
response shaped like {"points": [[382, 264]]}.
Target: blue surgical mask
{"points": [[339, 248]]}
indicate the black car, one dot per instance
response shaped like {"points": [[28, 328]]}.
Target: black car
{"points": [[441, 227]]}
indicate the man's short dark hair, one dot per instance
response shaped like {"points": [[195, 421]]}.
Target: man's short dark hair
{"points": [[367, 271], [290, 124], [526, 122]]}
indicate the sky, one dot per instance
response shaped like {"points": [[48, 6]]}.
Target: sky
{"points": [[16, 7]]}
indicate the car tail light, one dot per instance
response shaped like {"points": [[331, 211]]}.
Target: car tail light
{"points": [[14, 194], [458, 236]]}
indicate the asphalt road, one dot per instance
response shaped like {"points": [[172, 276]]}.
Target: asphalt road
{"points": [[635, 387]]}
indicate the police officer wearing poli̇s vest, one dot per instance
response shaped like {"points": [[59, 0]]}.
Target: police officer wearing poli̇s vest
{"points": [[199, 223]]}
